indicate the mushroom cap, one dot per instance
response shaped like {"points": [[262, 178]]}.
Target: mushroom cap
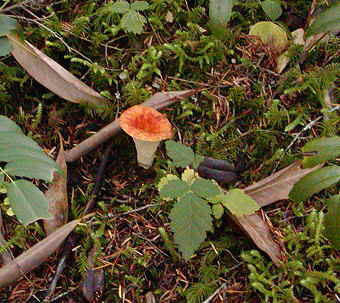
{"points": [[145, 123]]}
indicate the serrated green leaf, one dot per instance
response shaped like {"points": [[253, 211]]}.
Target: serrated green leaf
{"points": [[7, 24], [327, 21], [121, 7], [181, 155], [217, 211], [332, 221], [220, 11], [190, 221], [165, 180], [272, 9], [31, 168], [205, 188], [11, 153], [27, 201], [7, 125], [5, 46], [139, 5], [238, 203], [132, 22], [314, 182], [15, 139], [326, 148], [174, 189]]}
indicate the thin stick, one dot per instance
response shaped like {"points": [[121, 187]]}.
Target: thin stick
{"points": [[158, 101], [14, 6]]}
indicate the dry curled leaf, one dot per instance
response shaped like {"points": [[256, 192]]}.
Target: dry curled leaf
{"points": [[93, 283], [262, 235], [36, 255], [278, 185], [56, 196], [52, 75]]}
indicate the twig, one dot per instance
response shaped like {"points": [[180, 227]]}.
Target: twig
{"points": [[113, 128], [72, 239], [14, 6], [222, 287]]}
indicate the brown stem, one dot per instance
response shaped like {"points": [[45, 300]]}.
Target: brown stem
{"points": [[157, 101]]}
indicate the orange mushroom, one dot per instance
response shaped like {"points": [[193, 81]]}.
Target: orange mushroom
{"points": [[147, 127]]}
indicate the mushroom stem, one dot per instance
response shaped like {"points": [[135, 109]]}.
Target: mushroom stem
{"points": [[145, 152]]}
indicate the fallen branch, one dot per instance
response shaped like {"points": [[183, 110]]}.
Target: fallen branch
{"points": [[157, 101]]}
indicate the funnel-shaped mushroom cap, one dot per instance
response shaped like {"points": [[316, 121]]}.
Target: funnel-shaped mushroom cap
{"points": [[145, 123]]}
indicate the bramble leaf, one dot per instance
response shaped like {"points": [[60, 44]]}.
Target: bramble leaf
{"points": [[332, 221], [217, 211], [121, 7], [272, 9], [7, 125], [220, 11], [133, 22], [7, 24], [314, 182], [326, 148], [238, 203], [27, 201], [181, 155], [139, 5], [327, 21], [174, 189], [190, 221], [5, 46], [205, 188]]}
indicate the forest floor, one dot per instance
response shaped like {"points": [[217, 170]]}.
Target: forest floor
{"points": [[246, 112]]}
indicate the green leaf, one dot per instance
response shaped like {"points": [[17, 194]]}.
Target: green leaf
{"points": [[139, 5], [205, 188], [121, 7], [327, 21], [238, 203], [27, 201], [5, 46], [190, 221], [272, 9], [15, 139], [2, 178], [217, 211], [181, 155], [7, 125], [314, 182], [220, 11], [31, 168], [197, 161], [332, 221], [174, 189], [132, 22], [7, 24], [326, 148]]}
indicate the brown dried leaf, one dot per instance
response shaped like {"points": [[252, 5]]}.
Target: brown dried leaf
{"points": [[36, 255], [56, 196], [277, 186], [52, 75], [261, 233], [93, 283]]}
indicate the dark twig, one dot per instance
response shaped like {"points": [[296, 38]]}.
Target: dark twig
{"points": [[14, 6], [72, 238]]}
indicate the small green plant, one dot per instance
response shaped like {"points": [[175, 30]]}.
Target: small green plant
{"points": [[307, 274], [197, 200], [322, 149], [132, 21], [26, 159]]}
